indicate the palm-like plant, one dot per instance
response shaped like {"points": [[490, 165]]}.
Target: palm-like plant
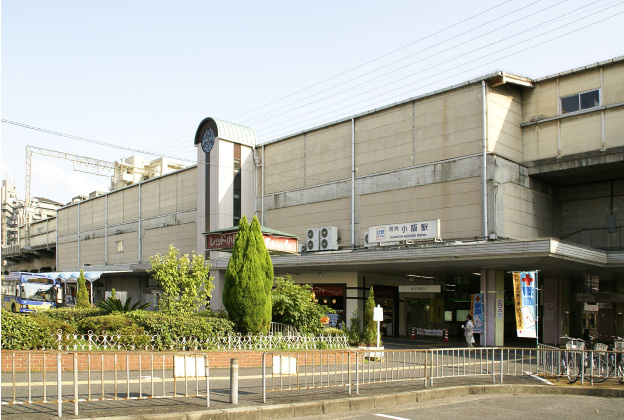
{"points": [[112, 304]]}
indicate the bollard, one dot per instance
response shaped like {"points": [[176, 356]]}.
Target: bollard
{"points": [[233, 381]]}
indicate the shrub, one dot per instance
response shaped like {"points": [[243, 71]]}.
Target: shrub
{"points": [[167, 329], [72, 316], [107, 323], [369, 334], [112, 304], [82, 297], [332, 331], [293, 305], [353, 331], [29, 332]]}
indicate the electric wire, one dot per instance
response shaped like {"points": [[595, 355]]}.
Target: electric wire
{"points": [[440, 72], [373, 60]]}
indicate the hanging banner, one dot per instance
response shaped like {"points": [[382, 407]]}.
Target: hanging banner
{"points": [[525, 299], [476, 309]]}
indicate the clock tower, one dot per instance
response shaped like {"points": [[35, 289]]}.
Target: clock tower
{"points": [[225, 183]]}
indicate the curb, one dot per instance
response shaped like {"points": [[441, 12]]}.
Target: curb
{"points": [[317, 408]]}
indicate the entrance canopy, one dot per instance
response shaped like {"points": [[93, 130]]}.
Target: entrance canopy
{"points": [[276, 242], [72, 276]]}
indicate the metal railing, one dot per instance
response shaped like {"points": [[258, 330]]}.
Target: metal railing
{"points": [[85, 377], [148, 342], [292, 371], [277, 328]]}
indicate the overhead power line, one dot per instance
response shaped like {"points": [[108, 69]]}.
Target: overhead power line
{"points": [[86, 140]]}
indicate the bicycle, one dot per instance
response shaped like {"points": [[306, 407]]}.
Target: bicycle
{"points": [[570, 361], [615, 359], [595, 366]]}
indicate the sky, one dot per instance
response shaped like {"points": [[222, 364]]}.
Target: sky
{"points": [[109, 79]]}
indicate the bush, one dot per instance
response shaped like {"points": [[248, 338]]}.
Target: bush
{"points": [[168, 328], [332, 331], [112, 304], [293, 305], [29, 332], [107, 323], [354, 330], [72, 316]]}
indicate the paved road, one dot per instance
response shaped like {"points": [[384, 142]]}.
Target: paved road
{"points": [[479, 407]]}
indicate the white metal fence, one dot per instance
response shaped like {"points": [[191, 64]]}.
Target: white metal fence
{"points": [[290, 371], [147, 342]]}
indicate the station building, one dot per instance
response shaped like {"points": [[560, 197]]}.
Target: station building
{"points": [[514, 174]]}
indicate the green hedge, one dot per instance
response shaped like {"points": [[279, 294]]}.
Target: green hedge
{"points": [[29, 332]]}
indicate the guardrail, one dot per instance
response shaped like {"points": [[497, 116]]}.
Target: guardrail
{"points": [[292, 371], [73, 377], [76, 377]]}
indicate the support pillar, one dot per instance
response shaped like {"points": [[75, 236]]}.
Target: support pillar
{"points": [[492, 287]]}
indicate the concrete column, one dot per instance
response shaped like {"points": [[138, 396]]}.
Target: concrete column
{"points": [[492, 287]]}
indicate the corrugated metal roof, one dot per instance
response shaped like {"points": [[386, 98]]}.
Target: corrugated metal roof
{"points": [[229, 131]]}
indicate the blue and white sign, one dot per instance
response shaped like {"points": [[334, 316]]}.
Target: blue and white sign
{"points": [[478, 317], [398, 232]]}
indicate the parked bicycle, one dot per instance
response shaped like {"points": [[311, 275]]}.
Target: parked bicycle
{"points": [[596, 367], [615, 359], [571, 360]]}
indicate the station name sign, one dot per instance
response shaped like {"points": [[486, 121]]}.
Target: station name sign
{"points": [[397, 232], [225, 241]]}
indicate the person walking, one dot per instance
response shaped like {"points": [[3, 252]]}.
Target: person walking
{"points": [[468, 328]]}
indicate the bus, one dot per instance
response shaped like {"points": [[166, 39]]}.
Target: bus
{"points": [[29, 293]]}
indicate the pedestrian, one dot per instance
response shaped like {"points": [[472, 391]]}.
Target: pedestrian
{"points": [[468, 328]]}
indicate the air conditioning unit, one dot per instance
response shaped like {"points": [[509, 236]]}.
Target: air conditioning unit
{"points": [[312, 239], [368, 244], [328, 238]]}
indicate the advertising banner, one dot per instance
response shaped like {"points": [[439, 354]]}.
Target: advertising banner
{"points": [[478, 316], [525, 299]]}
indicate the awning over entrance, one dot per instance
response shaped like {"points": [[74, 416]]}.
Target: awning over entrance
{"points": [[72, 276], [277, 242]]}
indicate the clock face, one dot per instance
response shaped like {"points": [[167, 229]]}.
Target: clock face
{"points": [[208, 140]]}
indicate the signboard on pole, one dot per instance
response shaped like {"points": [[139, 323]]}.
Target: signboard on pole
{"points": [[525, 300], [478, 316]]}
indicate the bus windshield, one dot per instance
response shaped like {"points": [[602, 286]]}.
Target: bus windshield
{"points": [[37, 291]]}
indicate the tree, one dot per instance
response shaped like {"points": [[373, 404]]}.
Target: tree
{"points": [[82, 296], [245, 294], [369, 334], [294, 304], [184, 280], [266, 264]]}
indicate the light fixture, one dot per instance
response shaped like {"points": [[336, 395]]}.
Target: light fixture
{"points": [[416, 276], [476, 274], [325, 301], [334, 301]]}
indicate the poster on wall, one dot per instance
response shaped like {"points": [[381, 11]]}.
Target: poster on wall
{"points": [[525, 300], [476, 309]]}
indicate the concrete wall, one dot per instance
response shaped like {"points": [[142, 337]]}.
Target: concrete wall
{"points": [[574, 133], [584, 213], [414, 161], [89, 232]]}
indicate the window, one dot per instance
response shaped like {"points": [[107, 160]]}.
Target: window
{"points": [[580, 101], [119, 246]]}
